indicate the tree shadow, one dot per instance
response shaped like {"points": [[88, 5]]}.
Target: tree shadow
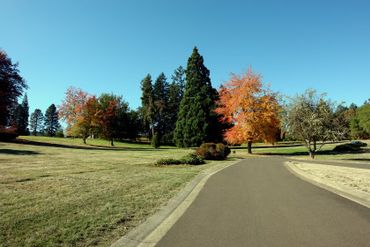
{"points": [[17, 152], [359, 159], [321, 152]]}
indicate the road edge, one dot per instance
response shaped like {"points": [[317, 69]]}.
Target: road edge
{"points": [[148, 233], [298, 173]]}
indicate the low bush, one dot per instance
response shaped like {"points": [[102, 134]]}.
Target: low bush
{"points": [[167, 162], [191, 159], [212, 151], [7, 134]]}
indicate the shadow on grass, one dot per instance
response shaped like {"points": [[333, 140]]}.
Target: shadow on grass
{"points": [[324, 152], [86, 147], [17, 152], [359, 159]]}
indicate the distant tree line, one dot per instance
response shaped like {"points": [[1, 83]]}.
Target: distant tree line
{"points": [[186, 111]]}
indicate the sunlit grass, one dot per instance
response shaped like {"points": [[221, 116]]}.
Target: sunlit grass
{"points": [[58, 196], [301, 152]]}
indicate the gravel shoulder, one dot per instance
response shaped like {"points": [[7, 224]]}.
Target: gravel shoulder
{"points": [[350, 182]]}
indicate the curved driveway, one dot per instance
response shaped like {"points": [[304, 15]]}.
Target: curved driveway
{"points": [[258, 202]]}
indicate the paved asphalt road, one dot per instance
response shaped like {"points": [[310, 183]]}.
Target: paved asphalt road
{"points": [[259, 203]]}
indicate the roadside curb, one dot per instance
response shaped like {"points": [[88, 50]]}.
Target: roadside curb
{"points": [[310, 179], [149, 232]]}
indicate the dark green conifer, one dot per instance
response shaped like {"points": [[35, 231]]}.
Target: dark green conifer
{"points": [[51, 122], [193, 123], [147, 104]]}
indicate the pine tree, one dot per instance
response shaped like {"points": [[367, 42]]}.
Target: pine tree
{"points": [[160, 98], [192, 126], [36, 122], [21, 117], [147, 104], [51, 122]]}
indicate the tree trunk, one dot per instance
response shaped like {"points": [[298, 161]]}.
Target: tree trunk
{"points": [[314, 146], [249, 147], [84, 139], [111, 142], [312, 154]]}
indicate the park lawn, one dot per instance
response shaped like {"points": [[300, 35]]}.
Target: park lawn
{"points": [[300, 152], [67, 195]]}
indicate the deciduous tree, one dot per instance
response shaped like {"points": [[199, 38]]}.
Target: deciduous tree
{"points": [[87, 119], [252, 110], [11, 87], [310, 119], [72, 105]]}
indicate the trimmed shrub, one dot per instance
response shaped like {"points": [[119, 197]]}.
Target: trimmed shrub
{"points": [[7, 134], [192, 159], [166, 162], [212, 151]]}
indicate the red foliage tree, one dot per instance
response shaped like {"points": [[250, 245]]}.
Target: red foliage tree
{"points": [[251, 109]]}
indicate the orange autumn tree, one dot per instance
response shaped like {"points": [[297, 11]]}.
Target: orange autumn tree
{"points": [[87, 121], [72, 106], [251, 109]]}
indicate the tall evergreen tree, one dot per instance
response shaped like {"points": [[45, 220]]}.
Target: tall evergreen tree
{"points": [[11, 87], [51, 122], [160, 98], [193, 123], [36, 122], [21, 117], [147, 104]]}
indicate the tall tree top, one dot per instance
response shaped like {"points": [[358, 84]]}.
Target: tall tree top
{"points": [[196, 72]]}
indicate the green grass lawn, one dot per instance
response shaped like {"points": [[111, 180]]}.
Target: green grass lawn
{"points": [[300, 152], [60, 192], [72, 194]]}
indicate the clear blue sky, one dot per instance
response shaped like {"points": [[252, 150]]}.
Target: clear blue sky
{"points": [[109, 46]]}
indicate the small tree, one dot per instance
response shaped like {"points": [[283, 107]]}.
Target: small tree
{"points": [[51, 122], [36, 122], [87, 120], [310, 119], [252, 110], [111, 113], [71, 108]]}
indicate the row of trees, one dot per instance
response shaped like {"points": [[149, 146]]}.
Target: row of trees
{"points": [[107, 116], [188, 111], [47, 124]]}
